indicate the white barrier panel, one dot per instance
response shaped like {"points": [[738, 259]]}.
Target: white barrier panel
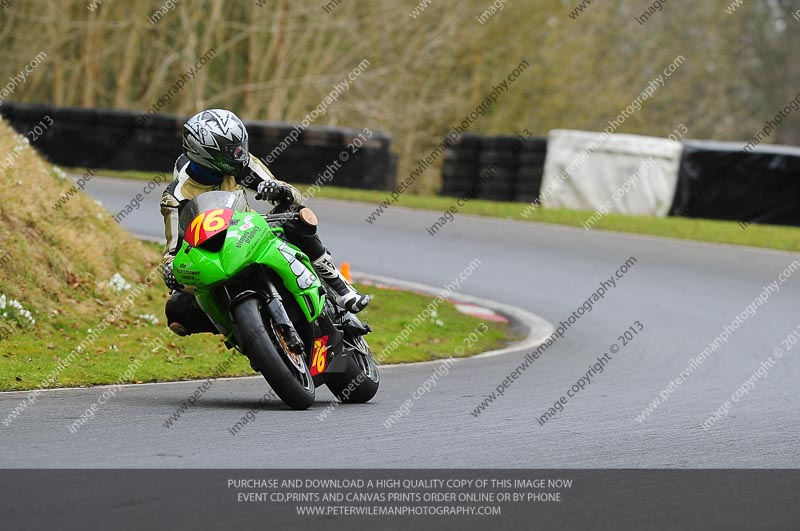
{"points": [[625, 174]]}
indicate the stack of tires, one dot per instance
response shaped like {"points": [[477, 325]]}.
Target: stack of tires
{"points": [[370, 164], [121, 140], [158, 140], [498, 168], [95, 138], [530, 169], [461, 166], [27, 118], [279, 145]]}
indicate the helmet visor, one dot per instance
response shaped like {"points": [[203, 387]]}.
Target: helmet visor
{"points": [[236, 153], [234, 158]]}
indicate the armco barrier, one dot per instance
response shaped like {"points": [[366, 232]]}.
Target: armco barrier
{"points": [[112, 139]]}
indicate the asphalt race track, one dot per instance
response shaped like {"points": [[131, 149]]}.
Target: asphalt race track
{"points": [[682, 293]]}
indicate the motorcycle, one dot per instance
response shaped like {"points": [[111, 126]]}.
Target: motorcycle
{"points": [[263, 296]]}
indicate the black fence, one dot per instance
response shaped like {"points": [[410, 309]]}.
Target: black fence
{"points": [[124, 140]]}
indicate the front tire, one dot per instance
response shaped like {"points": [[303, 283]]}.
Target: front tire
{"points": [[291, 380], [359, 383]]}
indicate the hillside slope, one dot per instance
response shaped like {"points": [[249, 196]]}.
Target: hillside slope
{"points": [[74, 286], [58, 264]]}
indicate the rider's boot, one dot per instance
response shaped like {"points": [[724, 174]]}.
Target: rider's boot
{"points": [[179, 329], [346, 296], [184, 316]]}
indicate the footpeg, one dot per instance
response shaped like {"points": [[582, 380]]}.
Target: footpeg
{"points": [[354, 325]]}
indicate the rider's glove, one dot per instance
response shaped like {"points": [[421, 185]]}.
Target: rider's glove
{"points": [[274, 192], [169, 278]]}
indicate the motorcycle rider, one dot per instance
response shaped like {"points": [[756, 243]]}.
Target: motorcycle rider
{"points": [[216, 157]]}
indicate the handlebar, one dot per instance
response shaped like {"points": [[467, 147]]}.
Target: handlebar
{"points": [[282, 217]]}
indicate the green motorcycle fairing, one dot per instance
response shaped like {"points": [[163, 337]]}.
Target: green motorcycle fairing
{"points": [[227, 241]]}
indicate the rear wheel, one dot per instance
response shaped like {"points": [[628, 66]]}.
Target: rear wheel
{"points": [[360, 382], [263, 342]]}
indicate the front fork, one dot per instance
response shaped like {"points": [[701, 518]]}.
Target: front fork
{"points": [[276, 311], [281, 319]]}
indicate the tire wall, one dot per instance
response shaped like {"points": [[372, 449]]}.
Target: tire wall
{"points": [[125, 140]]}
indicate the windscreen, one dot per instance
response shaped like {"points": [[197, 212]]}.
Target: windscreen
{"points": [[210, 201]]}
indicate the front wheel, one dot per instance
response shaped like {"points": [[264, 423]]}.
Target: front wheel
{"points": [[359, 383], [286, 372]]}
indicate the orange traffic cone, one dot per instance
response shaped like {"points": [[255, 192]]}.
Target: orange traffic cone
{"points": [[344, 269]]}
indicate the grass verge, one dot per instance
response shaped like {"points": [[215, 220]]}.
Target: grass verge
{"points": [[769, 236], [123, 356]]}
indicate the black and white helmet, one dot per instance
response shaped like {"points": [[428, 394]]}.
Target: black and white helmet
{"points": [[216, 139]]}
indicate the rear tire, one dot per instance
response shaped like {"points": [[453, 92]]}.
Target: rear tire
{"points": [[294, 385], [360, 382]]}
